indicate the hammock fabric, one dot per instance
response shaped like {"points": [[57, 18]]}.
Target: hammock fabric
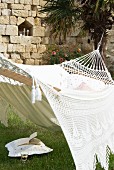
{"points": [[83, 106]]}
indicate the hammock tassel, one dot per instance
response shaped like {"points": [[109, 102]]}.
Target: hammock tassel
{"points": [[33, 92], [38, 93]]}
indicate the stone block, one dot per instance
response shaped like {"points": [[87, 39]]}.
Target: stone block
{"points": [[41, 15], [15, 39], [45, 40], [17, 6], [2, 29], [10, 48], [5, 39], [20, 20], [30, 20], [15, 56], [3, 47], [27, 7], [13, 20], [11, 30], [9, 1], [42, 2], [21, 1], [3, 5], [0, 39], [35, 40], [36, 2], [25, 55], [25, 40], [20, 13], [18, 48], [4, 20], [29, 61], [19, 61], [35, 55], [6, 55], [41, 48], [37, 61], [33, 13], [28, 2], [34, 48], [17, 1], [38, 31], [31, 48], [28, 48], [6, 12], [30, 13]]}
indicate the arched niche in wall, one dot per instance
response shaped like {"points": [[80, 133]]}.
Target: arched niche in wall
{"points": [[25, 29]]}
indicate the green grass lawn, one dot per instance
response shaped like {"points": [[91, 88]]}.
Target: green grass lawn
{"points": [[59, 159]]}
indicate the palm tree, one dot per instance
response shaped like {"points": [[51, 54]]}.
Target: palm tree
{"points": [[97, 17]]}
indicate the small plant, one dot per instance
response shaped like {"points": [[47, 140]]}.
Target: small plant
{"points": [[59, 54]]}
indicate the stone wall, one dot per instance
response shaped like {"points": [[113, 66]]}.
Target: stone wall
{"points": [[22, 34]]}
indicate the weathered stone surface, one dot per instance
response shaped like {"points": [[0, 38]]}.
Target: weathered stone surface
{"points": [[33, 13], [3, 5], [25, 40], [45, 40], [41, 48], [29, 61], [11, 30], [36, 2], [30, 20], [6, 55], [19, 61], [15, 39], [0, 39], [25, 55], [16, 48], [27, 7], [35, 40], [20, 20], [3, 47], [17, 6], [35, 55], [13, 20], [37, 62], [4, 19], [34, 48], [2, 29], [5, 39], [10, 47], [15, 56], [42, 2], [38, 31], [8, 1], [28, 2], [20, 13], [28, 48], [41, 15], [21, 1], [30, 13], [17, 1], [6, 12]]}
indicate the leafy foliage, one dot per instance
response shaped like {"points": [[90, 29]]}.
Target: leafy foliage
{"points": [[62, 16], [58, 54]]}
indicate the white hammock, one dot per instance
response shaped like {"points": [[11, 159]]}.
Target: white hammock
{"points": [[83, 106]]}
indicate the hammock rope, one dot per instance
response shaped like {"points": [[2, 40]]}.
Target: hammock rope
{"points": [[91, 65]]}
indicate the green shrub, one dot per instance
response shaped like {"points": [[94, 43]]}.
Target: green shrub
{"points": [[58, 54]]}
